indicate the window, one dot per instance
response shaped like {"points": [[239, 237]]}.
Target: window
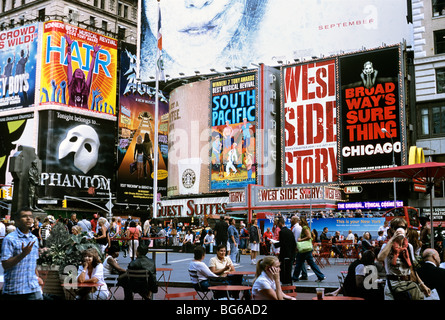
{"points": [[440, 80], [432, 119], [119, 9], [102, 4], [121, 33], [41, 14], [125, 11], [438, 8], [105, 25], [92, 21], [439, 41]]}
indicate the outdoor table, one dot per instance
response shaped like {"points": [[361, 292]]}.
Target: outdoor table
{"points": [[245, 274], [228, 288], [162, 276], [338, 298], [153, 251], [71, 287]]}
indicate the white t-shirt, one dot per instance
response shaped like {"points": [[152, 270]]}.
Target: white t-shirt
{"points": [[202, 270], [209, 238], [263, 282], [218, 264]]}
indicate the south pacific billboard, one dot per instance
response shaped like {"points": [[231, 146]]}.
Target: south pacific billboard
{"points": [[136, 125], [78, 68], [310, 123], [371, 103], [234, 125], [18, 54], [77, 153]]}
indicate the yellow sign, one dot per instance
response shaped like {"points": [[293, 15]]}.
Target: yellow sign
{"points": [[416, 155]]}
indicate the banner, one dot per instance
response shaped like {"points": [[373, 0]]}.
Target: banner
{"points": [[234, 122], [18, 54], [136, 133], [15, 130], [370, 104], [77, 152], [78, 68], [310, 123], [234, 34]]}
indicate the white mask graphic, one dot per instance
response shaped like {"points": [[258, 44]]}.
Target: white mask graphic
{"points": [[84, 142]]}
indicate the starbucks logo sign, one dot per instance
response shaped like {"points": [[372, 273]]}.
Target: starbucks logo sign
{"points": [[188, 178]]}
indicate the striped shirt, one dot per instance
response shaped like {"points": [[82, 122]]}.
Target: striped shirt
{"points": [[22, 278]]}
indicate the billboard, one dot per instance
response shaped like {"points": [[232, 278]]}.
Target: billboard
{"points": [[234, 123], [77, 152], [136, 124], [15, 130], [78, 68], [237, 33], [188, 155], [18, 54], [370, 96], [310, 123]]}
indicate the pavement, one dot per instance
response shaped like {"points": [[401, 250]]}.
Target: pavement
{"points": [[179, 280]]}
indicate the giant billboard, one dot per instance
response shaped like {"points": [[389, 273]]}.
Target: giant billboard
{"points": [[77, 152], [371, 97], [136, 124], [18, 61], [234, 125], [236, 33], [78, 68], [310, 123]]}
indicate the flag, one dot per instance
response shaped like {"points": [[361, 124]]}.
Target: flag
{"points": [[160, 62]]}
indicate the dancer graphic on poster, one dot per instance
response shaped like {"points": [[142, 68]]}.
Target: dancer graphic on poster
{"points": [[232, 158], [216, 154], [8, 73], [148, 155], [79, 88], [139, 157], [20, 69], [245, 127], [227, 139]]}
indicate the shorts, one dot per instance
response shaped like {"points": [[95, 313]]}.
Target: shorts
{"points": [[255, 246]]}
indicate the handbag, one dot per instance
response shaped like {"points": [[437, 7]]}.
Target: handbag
{"points": [[304, 246], [406, 290]]}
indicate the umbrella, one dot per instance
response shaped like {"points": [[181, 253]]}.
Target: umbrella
{"points": [[431, 172]]}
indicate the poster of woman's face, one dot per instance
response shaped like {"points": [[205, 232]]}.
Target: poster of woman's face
{"points": [[200, 35]]}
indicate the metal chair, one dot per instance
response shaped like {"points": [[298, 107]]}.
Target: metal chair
{"points": [[192, 294], [113, 286], [134, 279], [289, 290], [202, 292]]}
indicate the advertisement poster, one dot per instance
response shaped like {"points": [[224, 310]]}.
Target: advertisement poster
{"points": [[230, 34], [18, 53], [370, 104], [15, 130], [77, 152], [136, 124], [310, 123], [188, 136], [233, 122], [78, 68]]}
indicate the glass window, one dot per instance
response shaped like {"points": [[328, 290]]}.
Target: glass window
{"points": [[439, 41], [424, 122], [440, 80], [438, 8]]}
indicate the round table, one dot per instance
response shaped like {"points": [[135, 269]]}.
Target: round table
{"points": [[338, 298]]}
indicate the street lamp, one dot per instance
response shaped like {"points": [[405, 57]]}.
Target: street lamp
{"points": [[393, 164], [110, 204]]}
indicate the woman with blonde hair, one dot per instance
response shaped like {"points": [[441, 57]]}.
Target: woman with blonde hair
{"points": [[266, 285]]}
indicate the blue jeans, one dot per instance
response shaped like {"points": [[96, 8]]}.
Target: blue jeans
{"points": [[233, 252], [29, 296], [301, 258]]}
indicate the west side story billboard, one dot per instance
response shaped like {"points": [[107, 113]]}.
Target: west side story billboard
{"points": [[78, 68], [371, 99], [237, 33], [310, 123], [18, 54]]}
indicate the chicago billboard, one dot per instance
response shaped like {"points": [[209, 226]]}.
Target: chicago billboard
{"points": [[372, 113], [310, 123], [136, 124], [78, 68], [18, 60]]}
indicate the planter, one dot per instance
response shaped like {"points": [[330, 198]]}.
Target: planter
{"points": [[52, 281]]}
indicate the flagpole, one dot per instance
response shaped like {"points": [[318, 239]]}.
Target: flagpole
{"points": [[156, 154]]}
